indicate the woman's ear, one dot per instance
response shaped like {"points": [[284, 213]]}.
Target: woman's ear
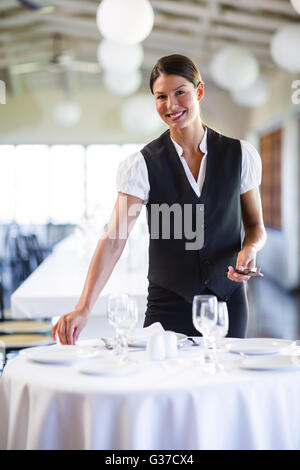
{"points": [[200, 91]]}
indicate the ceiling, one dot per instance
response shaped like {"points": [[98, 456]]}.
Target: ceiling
{"points": [[193, 27]]}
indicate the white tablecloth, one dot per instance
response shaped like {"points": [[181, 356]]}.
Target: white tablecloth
{"points": [[166, 405], [55, 286]]}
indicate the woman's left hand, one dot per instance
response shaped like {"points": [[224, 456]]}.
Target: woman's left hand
{"points": [[246, 260]]}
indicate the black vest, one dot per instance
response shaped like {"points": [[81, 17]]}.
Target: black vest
{"points": [[171, 265]]}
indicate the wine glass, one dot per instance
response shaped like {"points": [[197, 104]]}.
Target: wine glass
{"points": [[132, 318], [219, 331], [117, 306], [122, 314], [205, 317], [221, 327]]}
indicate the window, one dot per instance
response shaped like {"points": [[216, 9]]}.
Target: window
{"points": [[270, 151], [7, 183], [60, 183], [66, 179], [31, 183], [101, 168]]}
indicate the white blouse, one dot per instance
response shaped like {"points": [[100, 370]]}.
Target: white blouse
{"points": [[132, 174]]}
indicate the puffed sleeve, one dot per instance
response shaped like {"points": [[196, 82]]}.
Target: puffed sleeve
{"points": [[251, 167], [132, 177]]}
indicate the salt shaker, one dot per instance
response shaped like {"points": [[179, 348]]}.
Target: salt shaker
{"points": [[171, 344], [156, 349]]}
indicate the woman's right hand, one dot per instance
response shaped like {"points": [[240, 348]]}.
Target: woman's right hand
{"points": [[69, 327], [109, 249]]}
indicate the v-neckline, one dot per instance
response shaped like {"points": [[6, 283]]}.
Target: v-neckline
{"points": [[182, 170], [191, 173]]}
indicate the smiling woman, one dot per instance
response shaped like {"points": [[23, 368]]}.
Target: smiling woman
{"points": [[190, 166]]}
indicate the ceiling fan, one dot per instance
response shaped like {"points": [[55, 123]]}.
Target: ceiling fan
{"points": [[62, 61]]}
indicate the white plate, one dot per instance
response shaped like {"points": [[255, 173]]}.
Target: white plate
{"points": [[257, 346], [107, 368], [142, 343], [277, 362], [59, 354]]}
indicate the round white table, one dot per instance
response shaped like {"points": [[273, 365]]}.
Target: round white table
{"points": [[169, 404]]}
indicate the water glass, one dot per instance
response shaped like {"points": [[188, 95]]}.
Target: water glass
{"points": [[122, 314], [218, 332], [131, 319], [221, 327], [204, 317], [117, 306]]}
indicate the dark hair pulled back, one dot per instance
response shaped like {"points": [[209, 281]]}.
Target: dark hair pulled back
{"points": [[176, 64]]}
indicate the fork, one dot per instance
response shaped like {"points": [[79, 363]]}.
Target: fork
{"points": [[195, 343], [107, 343]]}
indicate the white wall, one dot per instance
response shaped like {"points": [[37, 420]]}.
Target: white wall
{"points": [[280, 256]]}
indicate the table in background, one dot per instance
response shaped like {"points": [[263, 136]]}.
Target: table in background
{"points": [[55, 286], [166, 405]]}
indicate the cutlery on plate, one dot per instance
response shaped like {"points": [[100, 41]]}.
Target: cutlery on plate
{"points": [[194, 342], [107, 343]]}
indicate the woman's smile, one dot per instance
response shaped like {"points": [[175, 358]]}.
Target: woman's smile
{"points": [[175, 116]]}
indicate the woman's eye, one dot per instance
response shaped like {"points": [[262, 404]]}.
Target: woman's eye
{"points": [[180, 92], [160, 97]]}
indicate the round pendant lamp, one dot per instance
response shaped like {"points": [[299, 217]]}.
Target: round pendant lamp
{"points": [[234, 68], [125, 21]]}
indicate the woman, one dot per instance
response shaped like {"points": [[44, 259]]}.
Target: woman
{"points": [[195, 167]]}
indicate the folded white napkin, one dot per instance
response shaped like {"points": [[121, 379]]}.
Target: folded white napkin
{"points": [[143, 334]]}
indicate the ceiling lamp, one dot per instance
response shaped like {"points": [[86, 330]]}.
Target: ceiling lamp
{"points": [[67, 113], [113, 56], [285, 47], [139, 116], [296, 5], [234, 68], [254, 96], [125, 21], [122, 84]]}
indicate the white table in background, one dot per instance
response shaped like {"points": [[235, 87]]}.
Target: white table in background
{"points": [[165, 405], [55, 286]]}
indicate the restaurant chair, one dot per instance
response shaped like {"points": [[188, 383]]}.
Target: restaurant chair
{"points": [[34, 250]]}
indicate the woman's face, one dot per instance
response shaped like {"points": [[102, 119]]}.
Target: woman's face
{"points": [[177, 100]]}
